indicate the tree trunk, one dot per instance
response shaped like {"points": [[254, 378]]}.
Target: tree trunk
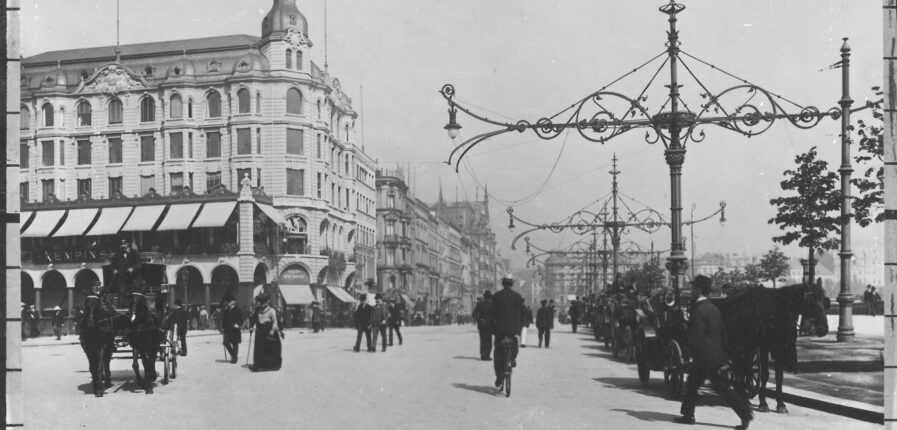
{"points": [[811, 271]]}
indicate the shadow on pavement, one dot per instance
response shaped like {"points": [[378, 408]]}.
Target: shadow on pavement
{"points": [[661, 417], [656, 388], [459, 357], [492, 391], [846, 366]]}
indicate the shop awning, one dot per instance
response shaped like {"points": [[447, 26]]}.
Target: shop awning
{"points": [[407, 300], [76, 222], [341, 294], [143, 218], [297, 294], [23, 219], [214, 214], [179, 217], [272, 213], [44, 223], [110, 221]]}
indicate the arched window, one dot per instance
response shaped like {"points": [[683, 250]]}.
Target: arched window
{"points": [[47, 114], [294, 101], [84, 113], [319, 109], [298, 60], [258, 102], [243, 105], [147, 109], [115, 111], [177, 108], [25, 120], [289, 58], [214, 102], [189, 108]]}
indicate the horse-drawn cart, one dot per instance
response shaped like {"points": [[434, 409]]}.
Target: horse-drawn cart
{"points": [[660, 340]]}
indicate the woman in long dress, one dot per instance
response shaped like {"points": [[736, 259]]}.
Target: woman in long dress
{"points": [[267, 346]]}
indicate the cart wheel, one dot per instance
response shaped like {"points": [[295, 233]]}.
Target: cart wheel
{"points": [[752, 376], [673, 375], [644, 372], [166, 364], [629, 343]]}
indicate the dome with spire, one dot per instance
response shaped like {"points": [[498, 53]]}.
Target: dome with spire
{"points": [[284, 18]]}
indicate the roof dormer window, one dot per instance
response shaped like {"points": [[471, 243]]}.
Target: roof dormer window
{"points": [[148, 70]]}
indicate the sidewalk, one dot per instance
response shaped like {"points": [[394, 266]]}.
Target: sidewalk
{"points": [[72, 339]]}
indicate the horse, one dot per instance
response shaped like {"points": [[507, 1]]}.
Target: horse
{"points": [[144, 336], [97, 336], [765, 320]]}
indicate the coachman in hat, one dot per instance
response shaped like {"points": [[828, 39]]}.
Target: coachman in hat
{"points": [[125, 270]]}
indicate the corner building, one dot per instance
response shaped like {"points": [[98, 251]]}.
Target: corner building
{"points": [[231, 159]]}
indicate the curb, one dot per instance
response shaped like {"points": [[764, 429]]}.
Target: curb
{"points": [[833, 405]]}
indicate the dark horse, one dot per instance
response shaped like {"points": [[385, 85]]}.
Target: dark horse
{"points": [[144, 337], [97, 336], [765, 320]]}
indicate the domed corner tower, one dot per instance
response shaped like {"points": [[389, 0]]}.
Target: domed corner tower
{"points": [[285, 39]]}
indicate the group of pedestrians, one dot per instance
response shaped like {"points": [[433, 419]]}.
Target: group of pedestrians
{"points": [[374, 321]]}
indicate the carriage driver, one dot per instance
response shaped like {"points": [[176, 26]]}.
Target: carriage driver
{"points": [[125, 264]]}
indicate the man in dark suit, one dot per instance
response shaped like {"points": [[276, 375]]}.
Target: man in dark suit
{"points": [[362, 322], [507, 319], [179, 317], [706, 338], [396, 315], [125, 267], [574, 313], [544, 323], [231, 320], [484, 324], [380, 319]]}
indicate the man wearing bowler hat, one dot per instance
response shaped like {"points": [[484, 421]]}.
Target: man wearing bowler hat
{"points": [[231, 320], [380, 318]]}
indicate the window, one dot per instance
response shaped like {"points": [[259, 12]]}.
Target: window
{"points": [[62, 153], [23, 155], [244, 141], [346, 161], [84, 188], [332, 194], [319, 146], [147, 148], [190, 108], [147, 183], [295, 182], [47, 114], [390, 200], [319, 109], [319, 185], [214, 102], [177, 183], [48, 188], [213, 179], [83, 153], [295, 142], [213, 144], [115, 186], [258, 102], [243, 105], [348, 200], [24, 191], [298, 60], [47, 152], [177, 145], [294, 101], [177, 108], [84, 114], [147, 109], [289, 58], [258, 141], [25, 120], [347, 132], [190, 145], [115, 111], [243, 173], [114, 150]]}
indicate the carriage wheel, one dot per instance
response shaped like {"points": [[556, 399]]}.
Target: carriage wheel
{"points": [[166, 363], [673, 375], [629, 343], [644, 372], [752, 376]]}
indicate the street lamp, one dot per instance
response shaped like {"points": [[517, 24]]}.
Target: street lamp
{"points": [[604, 115]]}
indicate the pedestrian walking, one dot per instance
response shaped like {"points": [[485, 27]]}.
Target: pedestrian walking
{"points": [[33, 322], [203, 318], [507, 317], [484, 324], [58, 321], [231, 320], [870, 298], [574, 313], [380, 319], [26, 322], [544, 323], [706, 337], [527, 321], [179, 319], [317, 317], [362, 322], [267, 354], [396, 315]]}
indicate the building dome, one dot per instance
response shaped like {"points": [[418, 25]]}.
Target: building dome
{"points": [[284, 15], [54, 78], [183, 68], [251, 62]]}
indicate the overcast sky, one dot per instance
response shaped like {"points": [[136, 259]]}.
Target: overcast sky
{"points": [[524, 59]]}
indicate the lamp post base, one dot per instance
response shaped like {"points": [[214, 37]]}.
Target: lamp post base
{"points": [[845, 318]]}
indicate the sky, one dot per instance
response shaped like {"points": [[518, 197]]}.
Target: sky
{"points": [[526, 59]]}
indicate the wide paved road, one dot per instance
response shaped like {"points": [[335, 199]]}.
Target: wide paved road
{"points": [[433, 381]]}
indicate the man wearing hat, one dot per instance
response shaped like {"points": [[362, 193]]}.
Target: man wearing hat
{"points": [[706, 338], [380, 318], [484, 324], [125, 267], [362, 322], [58, 320], [317, 317], [231, 320], [507, 319], [179, 317]]}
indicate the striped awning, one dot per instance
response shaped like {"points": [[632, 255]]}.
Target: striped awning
{"points": [[297, 294], [341, 294], [43, 224], [179, 217], [214, 214], [110, 221], [76, 222], [23, 219], [143, 218], [272, 213]]}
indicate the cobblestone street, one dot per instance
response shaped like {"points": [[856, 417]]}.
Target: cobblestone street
{"points": [[433, 381]]}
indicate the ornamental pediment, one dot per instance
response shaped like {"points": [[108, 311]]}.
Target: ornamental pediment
{"points": [[112, 79]]}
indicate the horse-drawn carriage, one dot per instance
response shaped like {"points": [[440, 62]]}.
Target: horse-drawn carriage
{"points": [[132, 324], [660, 339]]}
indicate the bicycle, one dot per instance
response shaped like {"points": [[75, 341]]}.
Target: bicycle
{"points": [[507, 346]]}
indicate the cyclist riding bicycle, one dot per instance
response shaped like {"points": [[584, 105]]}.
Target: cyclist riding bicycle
{"points": [[507, 319]]}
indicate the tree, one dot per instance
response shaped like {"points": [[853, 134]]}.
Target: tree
{"points": [[649, 276], [774, 265], [870, 152], [812, 216], [752, 274]]}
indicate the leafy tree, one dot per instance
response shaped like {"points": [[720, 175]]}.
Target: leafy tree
{"points": [[811, 217], [870, 152], [752, 274], [648, 276], [774, 265]]}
